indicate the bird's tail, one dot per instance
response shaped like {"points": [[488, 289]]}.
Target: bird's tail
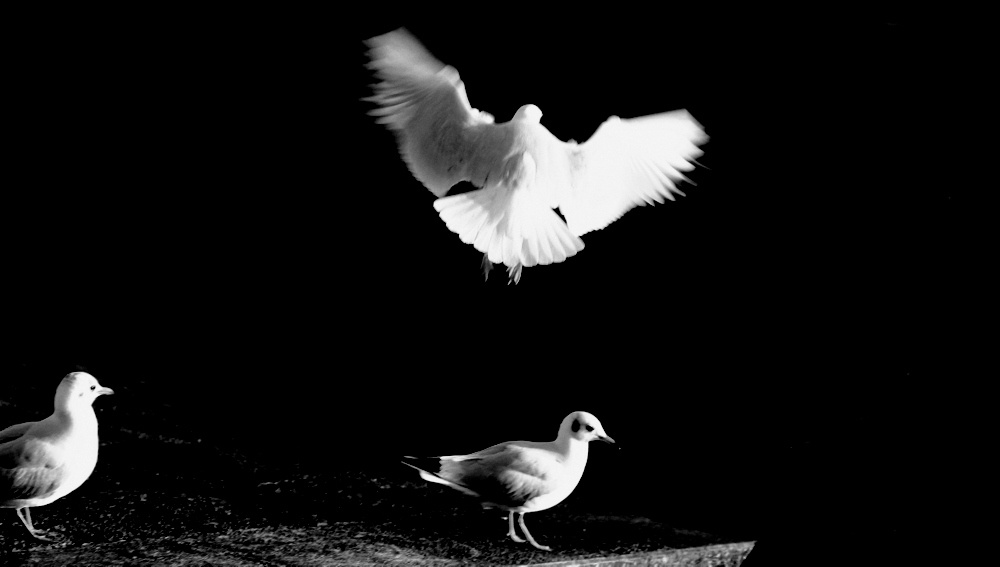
{"points": [[434, 463], [509, 225]]}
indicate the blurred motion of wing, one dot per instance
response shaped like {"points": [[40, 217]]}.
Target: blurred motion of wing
{"points": [[522, 171]]}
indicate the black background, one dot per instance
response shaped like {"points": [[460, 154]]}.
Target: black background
{"points": [[198, 204]]}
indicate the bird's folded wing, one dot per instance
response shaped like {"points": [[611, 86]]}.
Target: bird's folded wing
{"points": [[427, 473], [511, 226], [627, 162], [510, 476], [14, 431], [425, 102], [28, 470], [489, 451]]}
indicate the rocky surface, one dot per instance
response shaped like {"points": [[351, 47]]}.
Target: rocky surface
{"points": [[163, 495]]}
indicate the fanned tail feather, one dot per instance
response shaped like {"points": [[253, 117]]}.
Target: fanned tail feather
{"points": [[510, 227]]}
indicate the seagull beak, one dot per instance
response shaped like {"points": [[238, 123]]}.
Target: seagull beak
{"points": [[105, 392], [606, 439]]}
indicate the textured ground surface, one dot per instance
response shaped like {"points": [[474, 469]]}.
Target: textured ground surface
{"points": [[162, 495]]}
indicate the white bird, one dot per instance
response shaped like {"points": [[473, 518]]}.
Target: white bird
{"points": [[522, 476], [42, 461], [522, 170]]}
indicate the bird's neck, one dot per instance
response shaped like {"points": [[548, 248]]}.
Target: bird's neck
{"points": [[80, 415], [573, 450]]}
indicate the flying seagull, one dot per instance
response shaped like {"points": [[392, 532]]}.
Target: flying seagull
{"points": [[523, 172], [42, 461], [520, 476]]}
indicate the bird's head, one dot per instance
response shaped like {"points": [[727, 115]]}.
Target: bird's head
{"points": [[79, 388], [583, 426], [529, 113]]}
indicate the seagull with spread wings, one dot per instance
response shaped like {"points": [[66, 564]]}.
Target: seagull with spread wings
{"points": [[523, 172]]}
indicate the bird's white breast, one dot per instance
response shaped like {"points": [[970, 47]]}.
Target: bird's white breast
{"points": [[569, 477], [78, 452]]}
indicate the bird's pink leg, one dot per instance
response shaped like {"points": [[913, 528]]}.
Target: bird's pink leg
{"points": [[527, 534], [25, 516], [511, 532]]}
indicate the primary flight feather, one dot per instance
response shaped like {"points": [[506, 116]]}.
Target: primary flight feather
{"points": [[523, 172]]}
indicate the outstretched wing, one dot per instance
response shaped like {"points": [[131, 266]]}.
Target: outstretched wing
{"points": [[522, 170], [627, 162], [425, 102]]}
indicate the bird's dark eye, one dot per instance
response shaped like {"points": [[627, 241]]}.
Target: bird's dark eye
{"points": [[590, 428], [92, 388]]}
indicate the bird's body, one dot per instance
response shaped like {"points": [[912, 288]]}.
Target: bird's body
{"points": [[520, 476], [523, 171], [43, 461]]}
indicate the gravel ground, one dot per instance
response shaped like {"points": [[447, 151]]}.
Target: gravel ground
{"points": [[230, 510], [305, 518], [341, 543], [173, 498]]}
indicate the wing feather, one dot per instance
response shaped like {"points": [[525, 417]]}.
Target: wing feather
{"points": [[506, 474], [627, 162], [425, 102], [509, 475], [510, 221], [14, 431], [522, 170], [28, 469]]}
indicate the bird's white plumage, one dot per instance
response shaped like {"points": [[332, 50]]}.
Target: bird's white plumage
{"points": [[43, 461], [522, 476], [509, 226], [522, 170], [627, 162]]}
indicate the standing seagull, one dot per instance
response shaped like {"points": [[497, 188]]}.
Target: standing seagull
{"points": [[522, 170], [42, 461], [522, 476]]}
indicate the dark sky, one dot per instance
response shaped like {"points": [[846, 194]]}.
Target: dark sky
{"points": [[214, 176], [201, 198]]}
